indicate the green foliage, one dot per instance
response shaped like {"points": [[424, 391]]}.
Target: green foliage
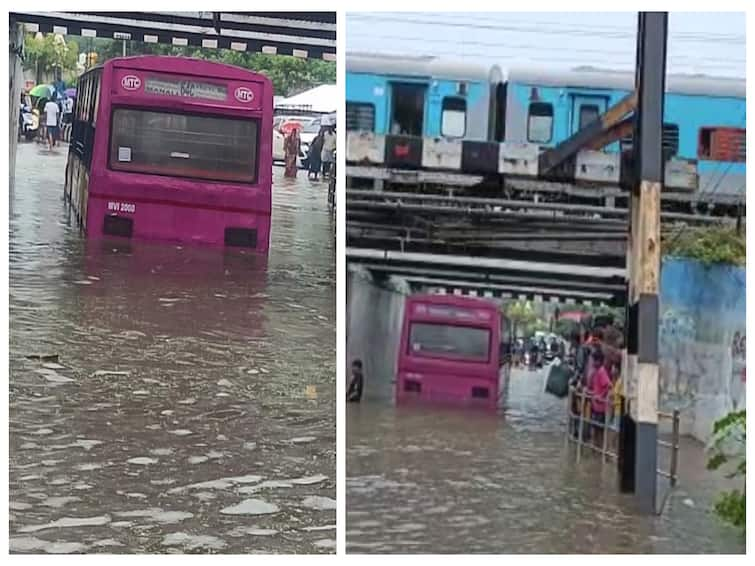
{"points": [[732, 507], [708, 245], [290, 75], [565, 327], [43, 54], [523, 319], [729, 450]]}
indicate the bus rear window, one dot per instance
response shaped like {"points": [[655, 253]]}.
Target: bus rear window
{"points": [[184, 145], [449, 341]]}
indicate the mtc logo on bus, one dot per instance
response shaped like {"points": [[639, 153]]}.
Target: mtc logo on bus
{"points": [[131, 82], [244, 94]]}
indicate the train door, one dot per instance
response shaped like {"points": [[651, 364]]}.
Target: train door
{"points": [[586, 109], [407, 108]]}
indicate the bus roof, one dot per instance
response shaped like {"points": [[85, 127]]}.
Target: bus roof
{"points": [[452, 300], [590, 77], [422, 66], [184, 66]]}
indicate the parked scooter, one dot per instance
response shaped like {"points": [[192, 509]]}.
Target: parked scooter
{"points": [[28, 125]]}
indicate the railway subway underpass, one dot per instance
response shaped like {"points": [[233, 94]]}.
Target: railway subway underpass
{"points": [[434, 476]]}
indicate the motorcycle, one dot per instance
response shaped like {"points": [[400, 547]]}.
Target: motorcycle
{"points": [[28, 126]]}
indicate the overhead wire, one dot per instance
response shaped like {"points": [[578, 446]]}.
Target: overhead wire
{"points": [[582, 31], [600, 52]]}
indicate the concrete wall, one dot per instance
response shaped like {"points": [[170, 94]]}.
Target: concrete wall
{"points": [[702, 342], [373, 317], [15, 70]]}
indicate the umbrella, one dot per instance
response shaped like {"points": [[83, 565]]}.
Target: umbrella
{"points": [[71, 92], [42, 91], [575, 316], [288, 127]]}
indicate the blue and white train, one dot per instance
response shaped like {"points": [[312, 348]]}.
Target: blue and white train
{"points": [[704, 117]]}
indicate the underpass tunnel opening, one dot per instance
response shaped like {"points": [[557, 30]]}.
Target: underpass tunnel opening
{"points": [[423, 341]]}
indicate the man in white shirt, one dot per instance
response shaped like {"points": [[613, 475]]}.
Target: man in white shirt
{"points": [[328, 150], [51, 121]]}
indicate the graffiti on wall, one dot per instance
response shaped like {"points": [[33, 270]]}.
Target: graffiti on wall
{"points": [[738, 380], [677, 330]]}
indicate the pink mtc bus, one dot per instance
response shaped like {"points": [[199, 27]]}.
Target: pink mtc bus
{"points": [[171, 148], [451, 350]]}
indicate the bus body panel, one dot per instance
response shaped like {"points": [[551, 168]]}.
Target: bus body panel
{"points": [[450, 379], [175, 202]]}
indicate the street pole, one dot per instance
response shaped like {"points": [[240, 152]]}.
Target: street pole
{"points": [[639, 461]]}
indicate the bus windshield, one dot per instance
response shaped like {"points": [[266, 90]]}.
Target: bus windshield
{"points": [[184, 145], [443, 340]]}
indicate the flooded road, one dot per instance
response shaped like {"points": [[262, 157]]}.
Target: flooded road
{"points": [[423, 479], [167, 398]]}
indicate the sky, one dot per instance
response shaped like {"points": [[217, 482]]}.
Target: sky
{"points": [[709, 43]]}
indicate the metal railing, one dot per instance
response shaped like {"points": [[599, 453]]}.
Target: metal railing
{"points": [[582, 400], [332, 186], [579, 402], [672, 474]]}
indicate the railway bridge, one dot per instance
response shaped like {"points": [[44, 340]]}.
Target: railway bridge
{"points": [[299, 34]]}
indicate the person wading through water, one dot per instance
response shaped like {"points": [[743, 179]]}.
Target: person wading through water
{"points": [[315, 156], [354, 394], [291, 150]]}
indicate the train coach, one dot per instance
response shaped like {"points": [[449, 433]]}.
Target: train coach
{"points": [[420, 109]]}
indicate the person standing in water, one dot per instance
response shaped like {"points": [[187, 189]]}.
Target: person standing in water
{"points": [[354, 393], [315, 157], [328, 150], [291, 149]]}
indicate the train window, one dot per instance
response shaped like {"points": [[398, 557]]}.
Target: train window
{"points": [[670, 141], [453, 118], [588, 113], [540, 122], [360, 116], [722, 144]]}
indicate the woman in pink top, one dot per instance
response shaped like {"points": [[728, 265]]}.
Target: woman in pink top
{"points": [[600, 387]]}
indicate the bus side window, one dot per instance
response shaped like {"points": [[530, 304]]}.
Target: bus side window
{"points": [[453, 118], [360, 116], [540, 122], [97, 83]]}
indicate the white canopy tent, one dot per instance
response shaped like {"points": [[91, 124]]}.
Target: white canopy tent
{"points": [[321, 99]]}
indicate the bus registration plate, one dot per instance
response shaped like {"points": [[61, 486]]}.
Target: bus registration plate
{"points": [[121, 207]]}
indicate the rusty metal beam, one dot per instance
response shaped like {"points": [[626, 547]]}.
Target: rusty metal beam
{"points": [[568, 148], [613, 134]]}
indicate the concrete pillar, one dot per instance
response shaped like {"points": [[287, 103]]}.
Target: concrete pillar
{"points": [[16, 79], [640, 465]]}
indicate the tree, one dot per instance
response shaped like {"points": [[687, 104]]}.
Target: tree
{"points": [[709, 244], [729, 448], [46, 53], [521, 315], [289, 75]]}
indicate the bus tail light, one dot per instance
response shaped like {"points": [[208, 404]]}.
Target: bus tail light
{"points": [[118, 226], [241, 237], [480, 393], [412, 386]]}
